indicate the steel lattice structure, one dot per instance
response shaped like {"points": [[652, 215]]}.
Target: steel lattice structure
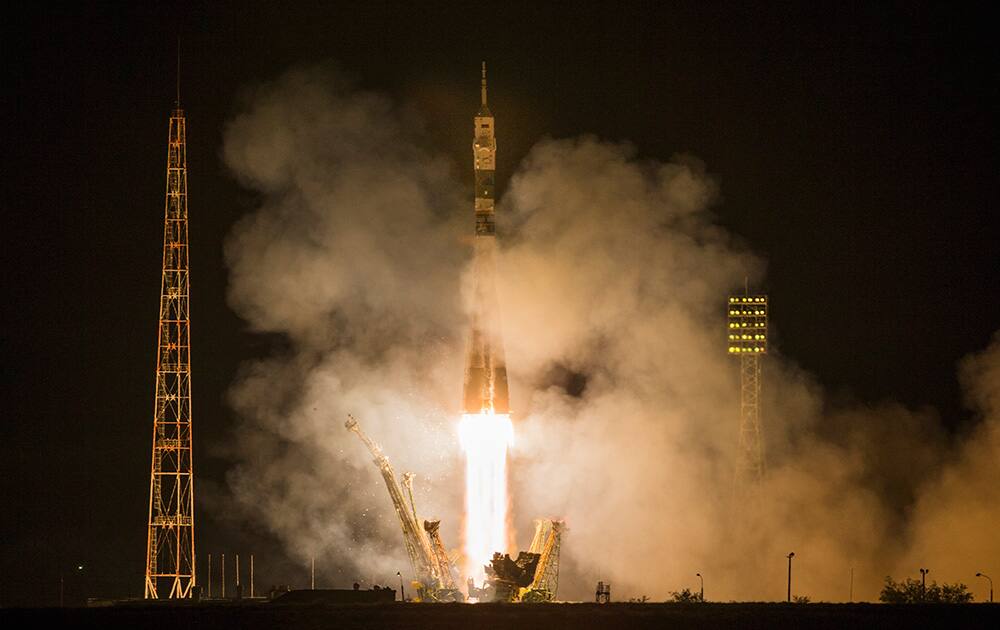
{"points": [[170, 556], [747, 339]]}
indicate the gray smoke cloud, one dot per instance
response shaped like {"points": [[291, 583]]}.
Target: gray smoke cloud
{"points": [[612, 280]]}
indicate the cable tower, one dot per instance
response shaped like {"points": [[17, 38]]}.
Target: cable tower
{"points": [[747, 320], [170, 558]]}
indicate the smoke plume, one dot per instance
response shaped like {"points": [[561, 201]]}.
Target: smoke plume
{"points": [[612, 279]]}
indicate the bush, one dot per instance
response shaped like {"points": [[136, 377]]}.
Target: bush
{"points": [[909, 591], [685, 596], [801, 599]]}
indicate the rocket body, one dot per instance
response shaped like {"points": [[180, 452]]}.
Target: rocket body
{"points": [[485, 431], [486, 369]]}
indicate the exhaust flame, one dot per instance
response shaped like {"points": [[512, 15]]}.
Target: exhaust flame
{"points": [[485, 438]]}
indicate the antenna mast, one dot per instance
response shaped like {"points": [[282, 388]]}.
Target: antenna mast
{"points": [[178, 101]]}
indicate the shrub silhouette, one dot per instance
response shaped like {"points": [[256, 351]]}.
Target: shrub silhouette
{"points": [[909, 591]]}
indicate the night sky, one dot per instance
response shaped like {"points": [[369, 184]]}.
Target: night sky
{"points": [[855, 149]]}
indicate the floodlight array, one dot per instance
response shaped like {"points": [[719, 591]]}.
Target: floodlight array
{"points": [[747, 324]]}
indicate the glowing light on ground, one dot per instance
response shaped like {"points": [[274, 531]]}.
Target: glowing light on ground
{"points": [[485, 438]]}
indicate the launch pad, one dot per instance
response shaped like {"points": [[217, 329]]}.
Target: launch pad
{"points": [[486, 432], [532, 577]]}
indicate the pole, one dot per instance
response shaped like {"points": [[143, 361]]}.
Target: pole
{"points": [[210, 576], [923, 582], [237, 573], [702, 586], [251, 576], [313, 573], [223, 576], [983, 575], [790, 556], [402, 592]]}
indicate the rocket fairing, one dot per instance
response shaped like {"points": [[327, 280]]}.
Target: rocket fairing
{"points": [[485, 369], [484, 153]]}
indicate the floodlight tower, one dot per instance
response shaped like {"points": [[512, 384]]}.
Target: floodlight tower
{"points": [[170, 558], [747, 332]]}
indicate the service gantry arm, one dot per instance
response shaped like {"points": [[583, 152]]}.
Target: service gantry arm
{"points": [[417, 546], [443, 567], [446, 571], [542, 528], [547, 573]]}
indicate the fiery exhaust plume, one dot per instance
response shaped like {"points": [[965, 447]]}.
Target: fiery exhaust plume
{"points": [[485, 438]]}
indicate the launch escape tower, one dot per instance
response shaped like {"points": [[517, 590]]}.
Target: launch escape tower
{"points": [[747, 330], [486, 370], [170, 558]]}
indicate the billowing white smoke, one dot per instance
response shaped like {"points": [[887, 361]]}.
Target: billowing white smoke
{"points": [[954, 524], [353, 258], [612, 281]]}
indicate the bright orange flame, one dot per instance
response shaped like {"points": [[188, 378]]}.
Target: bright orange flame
{"points": [[485, 438]]}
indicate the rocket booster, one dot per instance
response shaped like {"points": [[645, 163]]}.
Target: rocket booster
{"points": [[486, 369]]}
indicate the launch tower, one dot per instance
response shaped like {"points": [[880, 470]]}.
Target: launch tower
{"points": [[170, 559], [747, 319]]}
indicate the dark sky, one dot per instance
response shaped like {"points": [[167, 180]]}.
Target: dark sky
{"points": [[855, 148]]}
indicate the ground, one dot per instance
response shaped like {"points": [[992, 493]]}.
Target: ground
{"points": [[521, 617]]}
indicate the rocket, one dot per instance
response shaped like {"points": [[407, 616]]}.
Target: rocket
{"points": [[485, 368]]}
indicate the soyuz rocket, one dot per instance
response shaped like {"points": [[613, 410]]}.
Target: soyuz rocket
{"points": [[485, 368]]}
